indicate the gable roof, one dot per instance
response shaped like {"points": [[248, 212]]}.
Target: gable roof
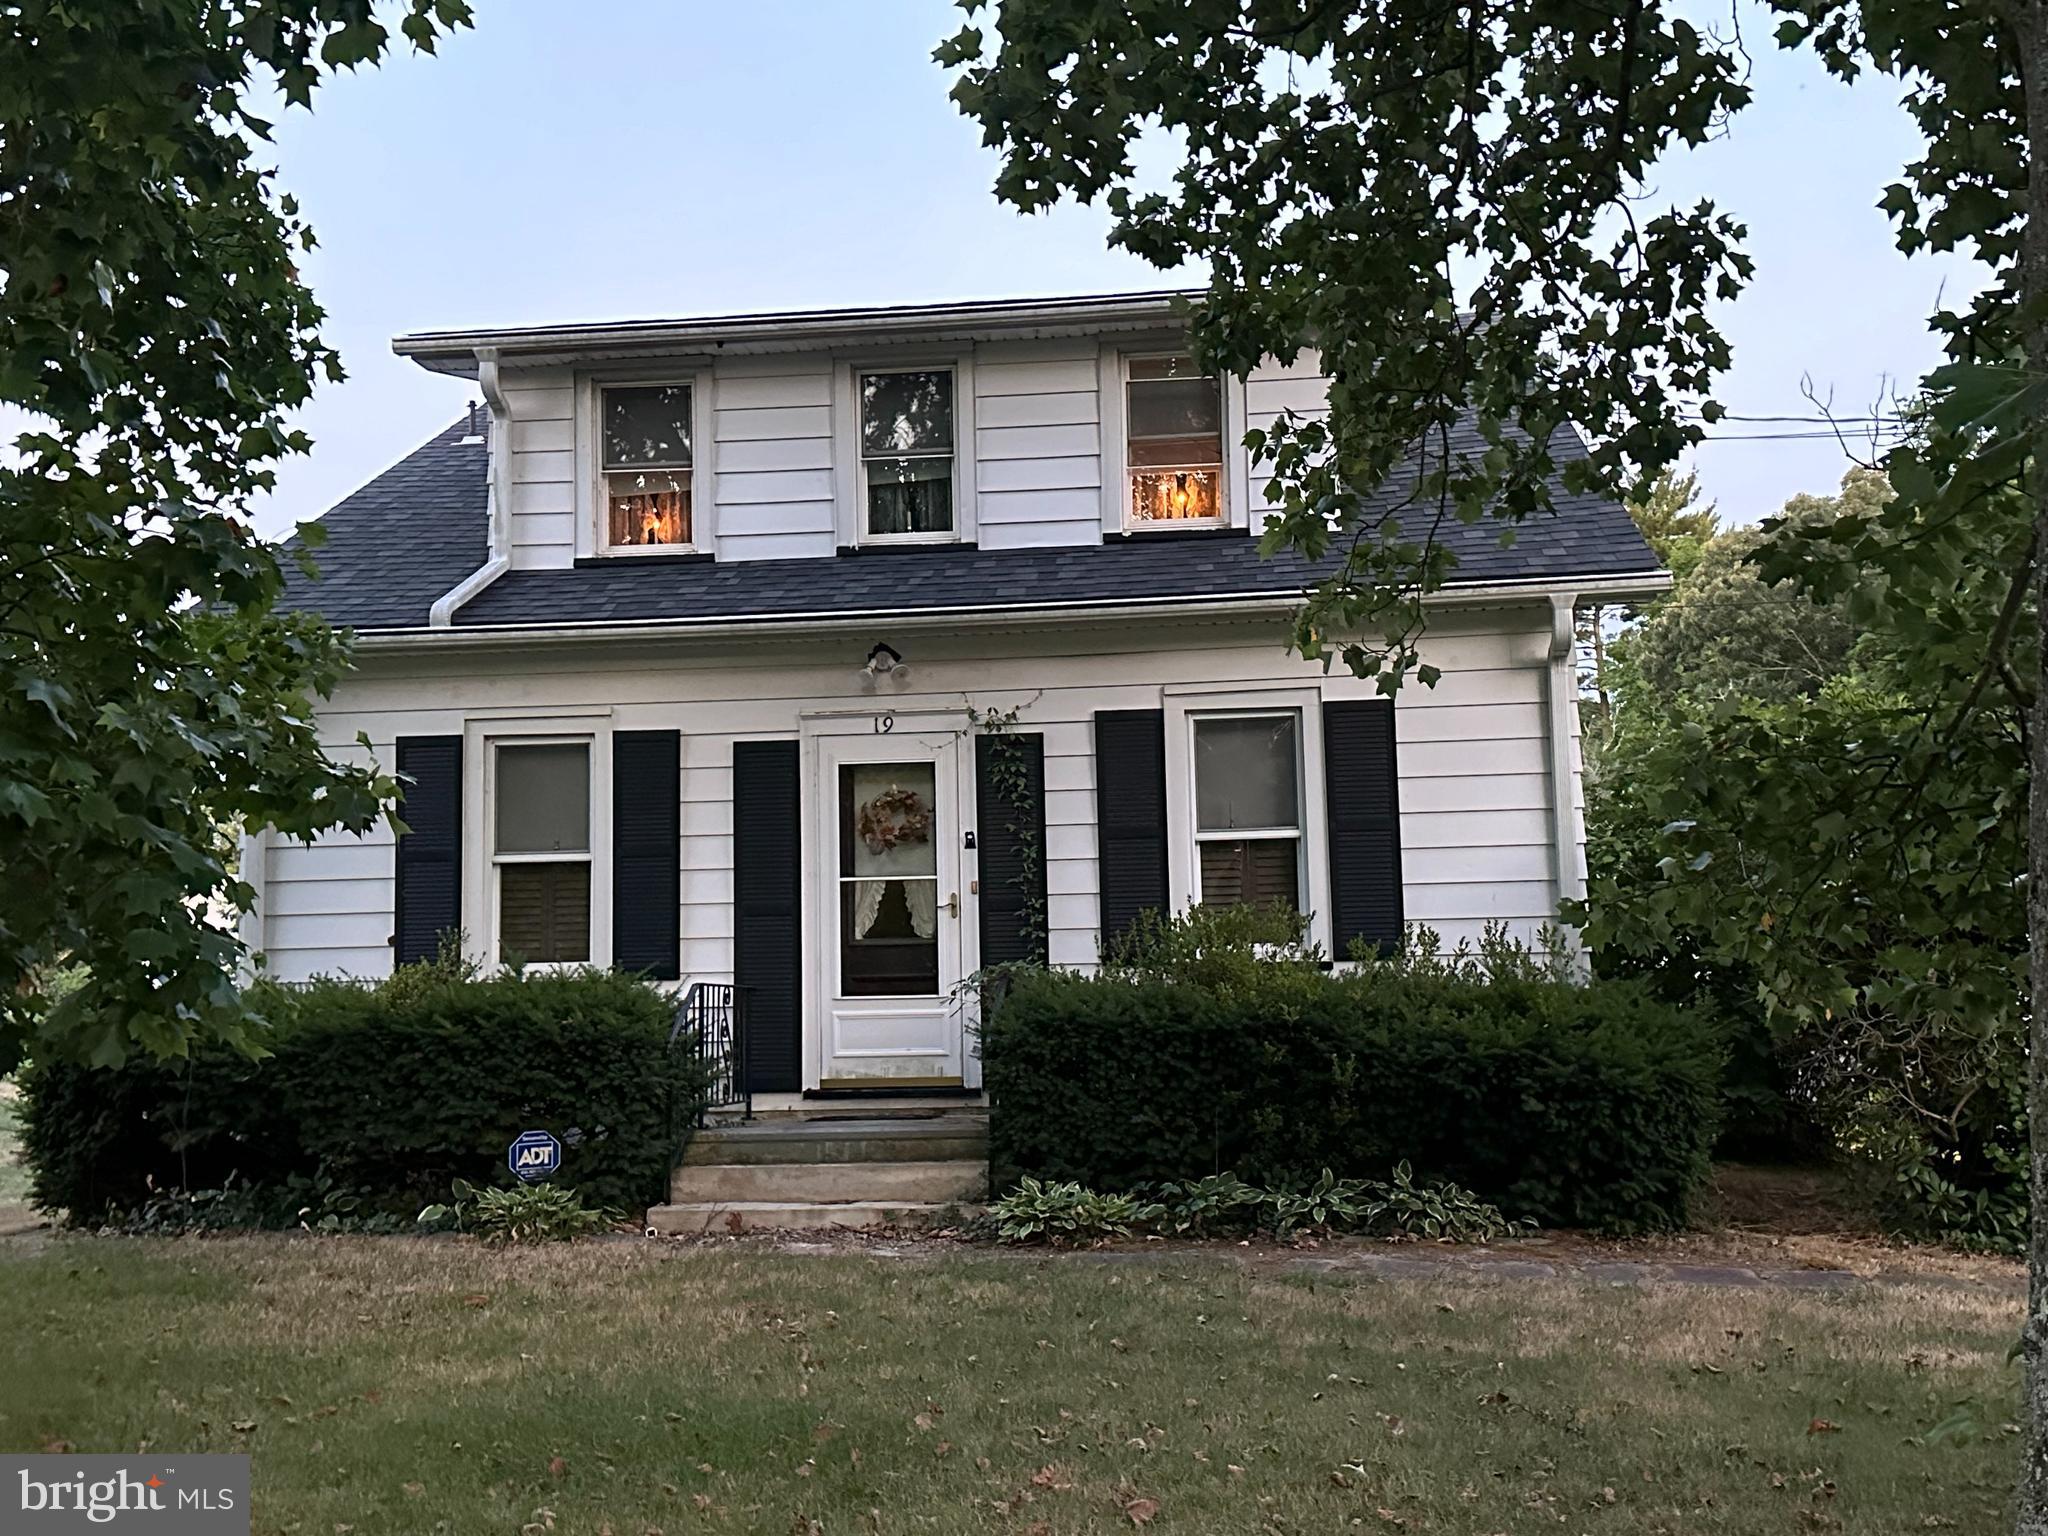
{"points": [[418, 529]]}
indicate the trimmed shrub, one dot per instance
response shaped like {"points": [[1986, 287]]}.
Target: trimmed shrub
{"points": [[1569, 1105], [379, 1096]]}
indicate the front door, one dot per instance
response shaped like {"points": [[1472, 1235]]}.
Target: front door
{"points": [[888, 919]]}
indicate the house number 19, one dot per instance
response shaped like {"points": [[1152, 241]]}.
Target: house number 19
{"points": [[884, 724]]}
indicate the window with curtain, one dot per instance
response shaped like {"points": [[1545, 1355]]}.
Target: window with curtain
{"points": [[906, 453], [540, 851], [647, 457], [1248, 809], [888, 880], [1173, 445]]}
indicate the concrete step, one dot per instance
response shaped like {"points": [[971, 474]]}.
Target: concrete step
{"points": [[936, 1181], [938, 1139], [736, 1216]]}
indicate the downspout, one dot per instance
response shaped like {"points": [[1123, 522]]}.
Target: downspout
{"points": [[442, 614], [1567, 826]]}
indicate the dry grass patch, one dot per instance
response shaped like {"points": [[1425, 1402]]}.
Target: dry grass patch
{"points": [[410, 1387]]}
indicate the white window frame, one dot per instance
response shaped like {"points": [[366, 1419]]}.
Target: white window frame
{"points": [[1113, 382], [593, 499], [1183, 707], [481, 740], [850, 472]]}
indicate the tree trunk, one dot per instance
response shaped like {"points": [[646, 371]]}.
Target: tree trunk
{"points": [[2032, 18]]}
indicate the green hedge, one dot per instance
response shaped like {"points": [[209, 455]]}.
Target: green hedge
{"points": [[1579, 1106], [384, 1093]]}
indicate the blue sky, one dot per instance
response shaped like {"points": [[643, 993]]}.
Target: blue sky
{"points": [[639, 159]]}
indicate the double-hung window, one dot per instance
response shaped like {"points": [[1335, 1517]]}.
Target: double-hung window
{"points": [[1173, 447], [1248, 798], [646, 450], [906, 454], [540, 851]]}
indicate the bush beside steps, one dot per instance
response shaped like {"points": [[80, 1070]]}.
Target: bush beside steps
{"points": [[373, 1101], [1221, 1042]]}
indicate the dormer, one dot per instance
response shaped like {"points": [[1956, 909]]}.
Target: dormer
{"points": [[1011, 424]]}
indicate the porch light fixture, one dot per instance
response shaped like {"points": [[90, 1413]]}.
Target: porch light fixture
{"points": [[884, 662]]}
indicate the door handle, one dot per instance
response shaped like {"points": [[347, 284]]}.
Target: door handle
{"points": [[953, 905]]}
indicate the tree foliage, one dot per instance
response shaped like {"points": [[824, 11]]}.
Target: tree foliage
{"points": [[1727, 632], [1669, 514], [1437, 200], [155, 329], [1449, 202]]}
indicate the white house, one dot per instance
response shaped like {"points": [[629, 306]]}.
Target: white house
{"points": [[839, 654]]}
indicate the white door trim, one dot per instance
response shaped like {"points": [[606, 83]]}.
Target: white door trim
{"points": [[884, 732]]}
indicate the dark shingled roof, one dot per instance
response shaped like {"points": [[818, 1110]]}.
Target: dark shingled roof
{"points": [[418, 529], [404, 539]]}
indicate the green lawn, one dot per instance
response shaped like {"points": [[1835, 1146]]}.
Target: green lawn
{"points": [[413, 1387]]}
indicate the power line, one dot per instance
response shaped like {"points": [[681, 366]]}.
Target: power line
{"points": [[1838, 421], [1795, 437]]}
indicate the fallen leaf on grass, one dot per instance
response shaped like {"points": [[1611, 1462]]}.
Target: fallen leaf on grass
{"points": [[243, 1426], [414, 1490], [1053, 1476], [1823, 1427], [479, 1299], [558, 1467], [1142, 1511]]}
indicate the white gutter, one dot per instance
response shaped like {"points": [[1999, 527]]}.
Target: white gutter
{"points": [[1567, 828], [499, 517], [1278, 605]]}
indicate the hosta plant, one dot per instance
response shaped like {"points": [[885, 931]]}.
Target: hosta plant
{"points": [[537, 1213], [1034, 1212]]}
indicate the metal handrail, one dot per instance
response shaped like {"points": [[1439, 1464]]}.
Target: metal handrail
{"points": [[715, 1012]]}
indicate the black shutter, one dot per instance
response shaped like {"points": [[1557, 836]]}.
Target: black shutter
{"points": [[767, 921], [1009, 839], [1130, 815], [428, 899], [647, 850], [1365, 824]]}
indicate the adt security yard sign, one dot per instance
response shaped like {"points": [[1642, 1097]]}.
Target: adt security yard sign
{"points": [[534, 1155]]}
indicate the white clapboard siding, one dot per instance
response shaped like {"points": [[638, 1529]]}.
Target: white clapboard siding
{"points": [[767, 485], [1037, 446], [541, 404], [1270, 389], [773, 480], [1475, 792]]}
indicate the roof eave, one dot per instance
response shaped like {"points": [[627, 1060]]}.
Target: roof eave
{"points": [[454, 352], [1624, 587]]}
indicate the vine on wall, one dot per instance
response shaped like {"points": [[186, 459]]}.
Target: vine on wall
{"points": [[1009, 770]]}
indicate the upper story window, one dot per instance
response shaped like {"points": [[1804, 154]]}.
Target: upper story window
{"points": [[540, 852], [906, 454], [647, 466], [1173, 415], [1248, 809]]}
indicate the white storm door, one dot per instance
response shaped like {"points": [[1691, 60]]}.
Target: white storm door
{"points": [[889, 908]]}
